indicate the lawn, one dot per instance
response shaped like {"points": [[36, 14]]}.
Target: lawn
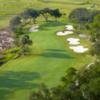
{"points": [[51, 54]]}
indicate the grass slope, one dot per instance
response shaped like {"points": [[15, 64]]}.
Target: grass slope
{"points": [[48, 64]]}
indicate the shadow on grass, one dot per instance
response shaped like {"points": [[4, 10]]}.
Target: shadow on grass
{"points": [[56, 53], [13, 81], [49, 24], [56, 50]]}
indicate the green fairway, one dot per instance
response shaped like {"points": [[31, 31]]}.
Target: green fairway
{"points": [[51, 58], [51, 55]]}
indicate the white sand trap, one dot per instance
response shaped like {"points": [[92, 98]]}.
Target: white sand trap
{"points": [[69, 27], [79, 49], [73, 41], [34, 28], [64, 33], [68, 32], [60, 34]]}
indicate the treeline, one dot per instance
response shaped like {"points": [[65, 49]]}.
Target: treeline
{"points": [[33, 14]]}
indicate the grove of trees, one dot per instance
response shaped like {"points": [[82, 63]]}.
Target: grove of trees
{"points": [[33, 14], [95, 36], [83, 17]]}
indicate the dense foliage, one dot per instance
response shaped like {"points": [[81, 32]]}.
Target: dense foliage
{"points": [[79, 15], [83, 15], [33, 14], [95, 35], [83, 85]]}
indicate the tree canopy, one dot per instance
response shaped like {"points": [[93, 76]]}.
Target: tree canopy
{"points": [[83, 85]]}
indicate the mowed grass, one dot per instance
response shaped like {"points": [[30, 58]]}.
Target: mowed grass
{"points": [[51, 55], [50, 59]]}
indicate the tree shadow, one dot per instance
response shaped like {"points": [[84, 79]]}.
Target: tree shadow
{"points": [[56, 50], [56, 53], [49, 24], [13, 81]]}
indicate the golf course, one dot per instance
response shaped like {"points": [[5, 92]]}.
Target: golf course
{"points": [[50, 56]]}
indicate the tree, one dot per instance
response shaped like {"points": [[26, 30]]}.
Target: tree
{"points": [[45, 13], [79, 15], [25, 43], [30, 13], [20, 30], [26, 14], [92, 15], [83, 15], [26, 40], [34, 15], [15, 22], [95, 35], [43, 94], [69, 77], [56, 13]]}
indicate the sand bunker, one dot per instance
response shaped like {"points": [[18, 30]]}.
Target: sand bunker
{"points": [[69, 30], [34, 29], [60, 34], [79, 49], [69, 27], [73, 41], [64, 33]]}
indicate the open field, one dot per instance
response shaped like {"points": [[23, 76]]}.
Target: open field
{"points": [[51, 54]]}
